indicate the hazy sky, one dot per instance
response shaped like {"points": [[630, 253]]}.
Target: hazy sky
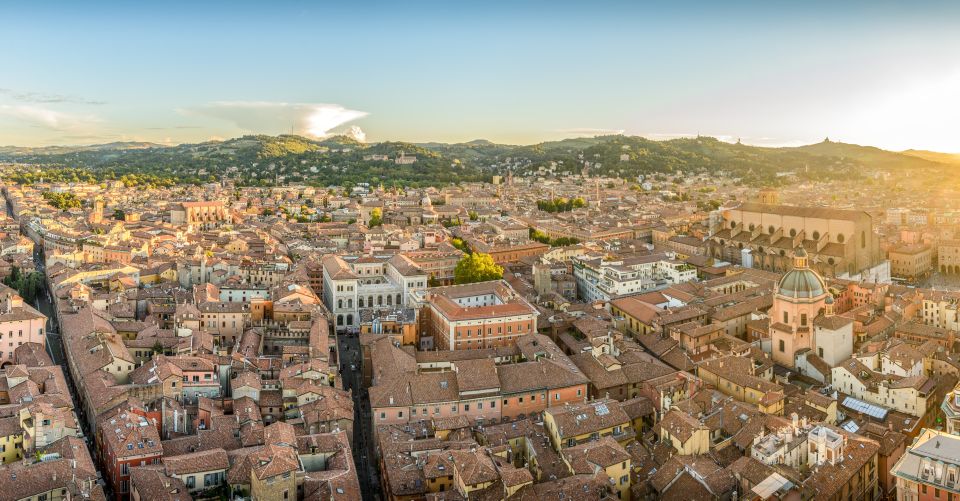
{"points": [[777, 73]]}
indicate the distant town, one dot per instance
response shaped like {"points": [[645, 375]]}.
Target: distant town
{"points": [[565, 325]]}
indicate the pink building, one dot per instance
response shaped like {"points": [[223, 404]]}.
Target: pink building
{"points": [[19, 323]]}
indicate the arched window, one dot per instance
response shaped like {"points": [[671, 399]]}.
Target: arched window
{"points": [[350, 319], [389, 300], [398, 300], [831, 261], [339, 319], [752, 226], [816, 235], [840, 238], [350, 303], [733, 224], [339, 303], [771, 229], [360, 302], [782, 253], [380, 300], [793, 232]]}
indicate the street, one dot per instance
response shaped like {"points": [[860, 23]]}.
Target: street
{"points": [[54, 342], [363, 443]]}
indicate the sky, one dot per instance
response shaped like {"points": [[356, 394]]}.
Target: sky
{"points": [[774, 73]]}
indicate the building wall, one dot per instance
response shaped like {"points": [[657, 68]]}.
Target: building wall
{"points": [[16, 332]]}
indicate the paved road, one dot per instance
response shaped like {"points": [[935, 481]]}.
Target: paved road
{"points": [[363, 444]]}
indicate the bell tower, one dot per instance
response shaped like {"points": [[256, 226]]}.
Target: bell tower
{"points": [[96, 214]]}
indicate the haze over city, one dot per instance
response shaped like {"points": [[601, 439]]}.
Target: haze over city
{"points": [[480, 251], [769, 73]]}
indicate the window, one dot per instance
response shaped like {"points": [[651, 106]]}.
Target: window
{"points": [[124, 469], [803, 319], [782, 348], [786, 318]]}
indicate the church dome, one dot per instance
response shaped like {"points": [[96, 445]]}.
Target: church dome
{"points": [[801, 282]]}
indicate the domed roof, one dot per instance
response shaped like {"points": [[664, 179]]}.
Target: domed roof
{"points": [[801, 282]]}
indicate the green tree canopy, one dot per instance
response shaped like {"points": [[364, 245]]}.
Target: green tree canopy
{"points": [[476, 267]]}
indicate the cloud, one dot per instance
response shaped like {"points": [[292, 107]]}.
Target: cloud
{"points": [[46, 118], [589, 132], [312, 119], [45, 98], [357, 133]]}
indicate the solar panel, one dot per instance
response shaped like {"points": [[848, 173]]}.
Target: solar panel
{"points": [[874, 411]]}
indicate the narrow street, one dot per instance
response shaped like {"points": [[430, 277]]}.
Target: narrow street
{"points": [[363, 444], [44, 305]]}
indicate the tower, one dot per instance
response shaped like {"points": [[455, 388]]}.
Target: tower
{"points": [[96, 214], [768, 196]]}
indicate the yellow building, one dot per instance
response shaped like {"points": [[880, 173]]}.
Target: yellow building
{"points": [[604, 455], [571, 425], [687, 436], [11, 440], [735, 376], [911, 261]]}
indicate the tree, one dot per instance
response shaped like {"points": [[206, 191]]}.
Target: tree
{"points": [[460, 244], [476, 267], [27, 285], [473, 216], [118, 214], [376, 217]]}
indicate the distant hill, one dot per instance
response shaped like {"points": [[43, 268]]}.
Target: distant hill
{"points": [[868, 155], [933, 156], [55, 150], [263, 160]]}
